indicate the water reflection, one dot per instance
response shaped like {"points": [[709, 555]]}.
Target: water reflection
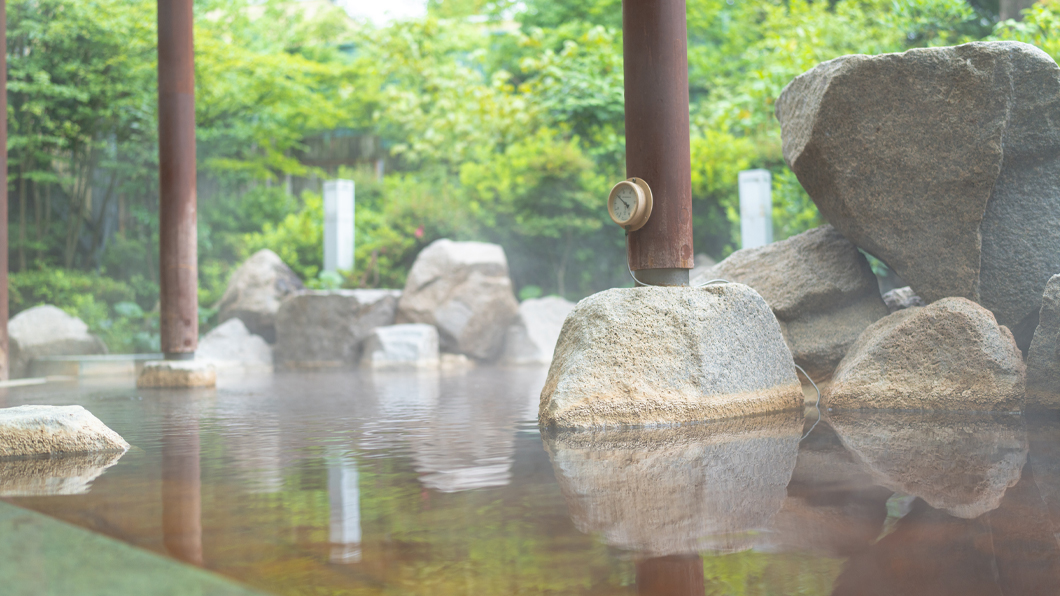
{"points": [[962, 463], [67, 475], [710, 487], [344, 497], [181, 484]]}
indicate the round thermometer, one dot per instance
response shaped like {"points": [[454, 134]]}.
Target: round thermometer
{"points": [[629, 204]]}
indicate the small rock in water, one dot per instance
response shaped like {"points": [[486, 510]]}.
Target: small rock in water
{"points": [[950, 355], [402, 346], [327, 328], [463, 289], [34, 431], [820, 287], [1043, 360], [656, 356], [901, 299], [532, 338], [177, 374], [256, 290], [46, 330]]}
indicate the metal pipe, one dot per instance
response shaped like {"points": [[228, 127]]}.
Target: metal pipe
{"points": [[178, 258], [655, 47], [5, 359]]}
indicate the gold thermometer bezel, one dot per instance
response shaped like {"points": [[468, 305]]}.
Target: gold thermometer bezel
{"points": [[641, 211]]}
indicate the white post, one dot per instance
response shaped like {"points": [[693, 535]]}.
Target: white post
{"points": [[756, 208], [338, 225]]}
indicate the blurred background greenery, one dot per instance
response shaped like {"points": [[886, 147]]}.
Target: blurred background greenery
{"points": [[491, 120]]}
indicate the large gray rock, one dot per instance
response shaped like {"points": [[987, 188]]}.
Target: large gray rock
{"points": [[820, 287], [326, 328], [942, 162], [901, 299], [255, 292], [1043, 361], [654, 355], [36, 431], [402, 346], [532, 338], [949, 355], [463, 289], [962, 463], [230, 346], [48, 331], [706, 487]]}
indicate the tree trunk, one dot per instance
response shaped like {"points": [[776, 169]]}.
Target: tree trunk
{"points": [[22, 217], [561, 270], [1011, 9]]}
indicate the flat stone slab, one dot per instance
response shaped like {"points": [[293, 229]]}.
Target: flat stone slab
{"points": [[661, 356], [402, 346], [41, 431], [174, 374], [45, 557]]}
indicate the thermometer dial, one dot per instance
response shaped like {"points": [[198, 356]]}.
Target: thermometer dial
{"points": [[629, 204]]}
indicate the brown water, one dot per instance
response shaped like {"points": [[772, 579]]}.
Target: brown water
{"points": [[352, 483]]}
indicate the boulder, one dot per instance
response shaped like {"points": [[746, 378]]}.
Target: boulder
{"points": [[532, 337], [255, 292], [949, 355], [943, 163], [326, 328], [463, 289], [901, 299], [705, 487], [48, 331], [668, 355], [959, 462], [820, 287], [402, 346], [1043, 360], [231, 346], [52, 431]]}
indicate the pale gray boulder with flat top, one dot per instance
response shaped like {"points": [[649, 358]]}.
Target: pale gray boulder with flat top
{"points": [[412, 345], [820, 287], [327, 328], [942, 162], [463, 289], [1043, 361], [36, 431], [255, 292], [46, 330], [949, 355], [532, 338], [656, 356], [232, 347]]}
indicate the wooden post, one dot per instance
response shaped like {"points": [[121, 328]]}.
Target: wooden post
{"points": [[178, 259], [657, 142], [5, 368]]}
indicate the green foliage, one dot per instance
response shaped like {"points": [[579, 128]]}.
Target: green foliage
{"points": [[298, 238]]}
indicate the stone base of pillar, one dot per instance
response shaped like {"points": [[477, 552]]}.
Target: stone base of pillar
{"points": [[177, 374]]}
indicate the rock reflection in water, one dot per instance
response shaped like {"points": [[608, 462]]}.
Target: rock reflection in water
{"points": [[66, 475], [962, 463], [708, 487]]}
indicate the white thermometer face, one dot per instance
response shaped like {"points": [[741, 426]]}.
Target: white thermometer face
{"points": [[625, 202]]}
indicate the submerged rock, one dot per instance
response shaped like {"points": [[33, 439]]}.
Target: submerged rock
{"points": [[958, 191], [60, 475], [950, 355], [820, 287], [654, 355], [46, 330], [401, 346], [34, 431], [901, 299], [230, 346], [255, 292], [326, 328], [1043, 360], [463, 289], [962, 463], [532, 338], [660, 492]]}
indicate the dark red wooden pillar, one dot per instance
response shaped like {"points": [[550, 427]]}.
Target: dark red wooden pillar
{"points": [[657, 143], [5, 369], [178, 260]]}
